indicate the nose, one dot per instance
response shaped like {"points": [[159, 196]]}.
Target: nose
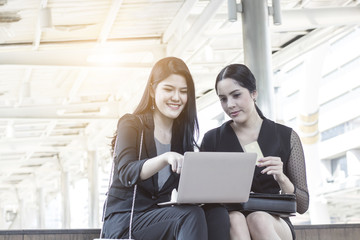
{"points": [[230, 103], [176, 95]]}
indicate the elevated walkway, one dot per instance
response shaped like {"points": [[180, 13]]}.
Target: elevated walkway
{"points": [[303, 232]]}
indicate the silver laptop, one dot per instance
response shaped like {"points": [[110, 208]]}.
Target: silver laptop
{"points": [[214, 177]]}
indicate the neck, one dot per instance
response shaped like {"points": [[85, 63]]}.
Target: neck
{"points": [[163, 127], [248, 131], [254, 122]]}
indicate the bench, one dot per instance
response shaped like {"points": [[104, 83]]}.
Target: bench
{"points": [[303, 232]]}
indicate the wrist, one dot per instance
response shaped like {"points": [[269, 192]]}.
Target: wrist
{"points": [[286, 185], [282, 179]]}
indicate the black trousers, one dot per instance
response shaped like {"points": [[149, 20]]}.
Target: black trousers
{"points": [[183, 222]]}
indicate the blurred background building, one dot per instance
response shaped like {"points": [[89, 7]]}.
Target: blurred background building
{"points": [[70, 69]]}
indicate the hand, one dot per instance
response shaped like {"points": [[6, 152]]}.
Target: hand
{"points": [[273, 166], [175, 160]]}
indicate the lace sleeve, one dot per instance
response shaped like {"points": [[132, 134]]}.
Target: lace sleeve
{"points": [[297, 173]]}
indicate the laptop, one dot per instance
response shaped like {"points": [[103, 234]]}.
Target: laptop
{"points": [[214, 177]]}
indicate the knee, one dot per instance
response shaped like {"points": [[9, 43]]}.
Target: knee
{"points": [[236, 216], [216, 213], [257, 221], [236, 219], [194, 214], [190, 223]]}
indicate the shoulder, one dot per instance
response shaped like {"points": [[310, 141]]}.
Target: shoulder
{"points": [[133, 120], [278, 127], [128, 120], [216, 132], [211, 133], [212, 138]]}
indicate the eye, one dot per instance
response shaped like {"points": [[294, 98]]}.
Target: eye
{"points": [[222, 99], [183, 91], [167, 89], [236, 95]]}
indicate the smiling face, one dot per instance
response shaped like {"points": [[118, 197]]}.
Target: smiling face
{"points": [[171, 96], [236, 101]]}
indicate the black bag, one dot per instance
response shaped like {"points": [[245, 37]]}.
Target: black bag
{"points": [[283, 205]]}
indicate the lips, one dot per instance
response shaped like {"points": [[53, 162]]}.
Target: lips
{"points": [[174, 106], [234, 113]]}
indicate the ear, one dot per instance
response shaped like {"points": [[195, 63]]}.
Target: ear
{"points": [[152, 92], [254, 95]]}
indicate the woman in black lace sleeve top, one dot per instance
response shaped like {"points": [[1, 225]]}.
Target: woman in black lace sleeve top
{"points": [[281, 170]]}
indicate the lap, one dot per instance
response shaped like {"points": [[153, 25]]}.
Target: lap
{"points": [[157, 223], [282, 226]]}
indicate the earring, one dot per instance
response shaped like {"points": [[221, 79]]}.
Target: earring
{"points": [[153, 105]]}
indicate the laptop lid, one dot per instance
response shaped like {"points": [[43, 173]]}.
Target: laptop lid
{"points": [[216, 177]]}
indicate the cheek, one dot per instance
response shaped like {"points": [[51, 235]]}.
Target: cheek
{"points": [[224, 107], [184, 98], [250, 102]]}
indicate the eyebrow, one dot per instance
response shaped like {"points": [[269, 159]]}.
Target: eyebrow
{"points": [[172, 86], [230, 92]]}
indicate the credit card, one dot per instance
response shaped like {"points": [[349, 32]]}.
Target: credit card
{"points": [[254, 148]]}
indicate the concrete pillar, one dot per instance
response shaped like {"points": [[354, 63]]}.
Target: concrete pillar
{"points": [[65, 199], [257, 51], [353, 162], [93, 179], [41, 208], [309, 132]]}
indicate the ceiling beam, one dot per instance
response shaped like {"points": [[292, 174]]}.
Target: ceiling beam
{"points": [[299, 20], [66, 58], [73, 111], [305, 44], [24, 87], [6, 148], [76, 86], [38, 29], [178, 20], [178, 48], [110, 19]]}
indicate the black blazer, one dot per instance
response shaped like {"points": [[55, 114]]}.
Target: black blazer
{"points": [[127, 167], [273, 139]]}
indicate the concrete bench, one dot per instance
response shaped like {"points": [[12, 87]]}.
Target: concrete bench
{"points": [[303, 232], [328, 232]]}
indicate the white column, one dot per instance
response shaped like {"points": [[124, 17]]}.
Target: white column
{"points": [[257, 51], [93, 179], [309, 132], [65, 199], [41, 207], [353, 162]]}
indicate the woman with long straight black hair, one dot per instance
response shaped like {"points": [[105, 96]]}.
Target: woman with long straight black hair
{"points": [[167, 116]]}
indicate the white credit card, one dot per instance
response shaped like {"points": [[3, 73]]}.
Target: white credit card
{"points": [[254, 148]]}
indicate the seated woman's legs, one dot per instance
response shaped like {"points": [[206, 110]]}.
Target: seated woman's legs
{"points": [[179, 222], [217, 219], [238, 226], [265, 226]]}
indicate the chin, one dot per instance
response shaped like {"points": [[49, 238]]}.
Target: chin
{"points": [[173, 115], [239, 119]]}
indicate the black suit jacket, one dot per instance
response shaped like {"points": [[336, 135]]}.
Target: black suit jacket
{"points": [[127, 167]]}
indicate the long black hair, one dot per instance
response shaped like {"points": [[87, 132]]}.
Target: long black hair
{"points": [[242, 75], [186, 124]]}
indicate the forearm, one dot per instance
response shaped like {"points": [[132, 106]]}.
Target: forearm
{"points": [[152, 166]]}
